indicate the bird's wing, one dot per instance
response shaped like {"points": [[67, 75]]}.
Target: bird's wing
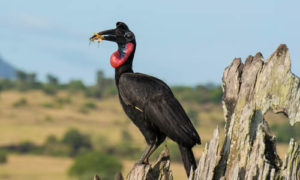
{"points": [[167, 114], [153, 97], [136, 88]]}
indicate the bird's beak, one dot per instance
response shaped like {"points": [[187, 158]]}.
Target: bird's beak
{"points": [[109, 35]]}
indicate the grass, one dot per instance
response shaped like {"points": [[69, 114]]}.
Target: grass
{"points": [[21, 167], [105, 121], [28, 123], [35, 122]]}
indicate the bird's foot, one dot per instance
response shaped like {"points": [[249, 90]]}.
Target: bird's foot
{"points": [[145, 161]]}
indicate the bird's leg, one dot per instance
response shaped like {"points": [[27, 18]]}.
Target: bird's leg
{"points": [[146, 160], [158, 142], [145, 153]]}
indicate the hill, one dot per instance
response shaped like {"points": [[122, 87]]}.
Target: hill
{"points": [[7, 70]]}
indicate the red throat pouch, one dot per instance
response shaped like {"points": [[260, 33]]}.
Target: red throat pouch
{"points": [[116, 60]]}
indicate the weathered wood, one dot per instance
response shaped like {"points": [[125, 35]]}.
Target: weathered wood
{"points": [[96, 177], [249, 150], [139, 171], [119, 176], [208, 159], [159, 171], [291, 166]]}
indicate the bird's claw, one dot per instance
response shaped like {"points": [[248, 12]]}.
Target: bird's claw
{"points": [[145, 161]]}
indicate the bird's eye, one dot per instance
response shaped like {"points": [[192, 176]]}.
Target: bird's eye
{"points": [[128, 35]]}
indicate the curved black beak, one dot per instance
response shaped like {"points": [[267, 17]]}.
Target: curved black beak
{"points": [[109, 35]]}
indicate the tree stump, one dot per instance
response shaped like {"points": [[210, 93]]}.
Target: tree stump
{"points": [[160, 171], [249, 150]]}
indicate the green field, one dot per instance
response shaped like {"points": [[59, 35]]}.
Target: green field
{"points": [[33, 116]]}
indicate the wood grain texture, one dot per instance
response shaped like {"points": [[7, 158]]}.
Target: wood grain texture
{"points": [[159, 171], [249, 150]]}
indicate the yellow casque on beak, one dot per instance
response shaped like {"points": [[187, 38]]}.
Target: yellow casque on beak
{"points": [[97, 37]]}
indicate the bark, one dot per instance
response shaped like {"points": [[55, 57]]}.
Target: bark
{"points": [[249, 150], [159, 171]]}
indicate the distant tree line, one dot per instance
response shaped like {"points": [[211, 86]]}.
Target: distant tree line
{"points": [[104, 87], [202, 94], [28, 81]]}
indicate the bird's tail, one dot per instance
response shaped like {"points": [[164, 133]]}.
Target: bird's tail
{"points": [[188, 159]]}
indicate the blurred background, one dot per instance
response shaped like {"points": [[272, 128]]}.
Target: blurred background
{"points": [[60, 116]]}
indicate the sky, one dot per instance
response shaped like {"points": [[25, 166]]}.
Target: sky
{"points": [[180, 42]]}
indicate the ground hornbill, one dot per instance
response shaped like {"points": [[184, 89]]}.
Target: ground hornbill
{"points": [[148, 101]]}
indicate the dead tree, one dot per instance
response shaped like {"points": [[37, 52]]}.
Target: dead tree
{"points": [[249, 150]]}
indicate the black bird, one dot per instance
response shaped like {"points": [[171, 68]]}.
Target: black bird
{"points": [[148, 101]]}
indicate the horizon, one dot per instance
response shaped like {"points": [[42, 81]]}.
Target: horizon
{"points": [[182, 44], [44, 79]]}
